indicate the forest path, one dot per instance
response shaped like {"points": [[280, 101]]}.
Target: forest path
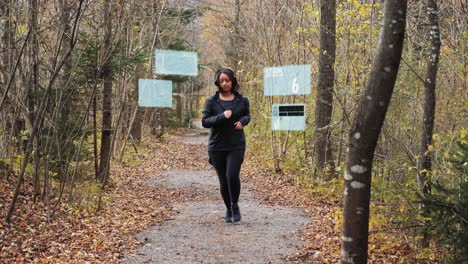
{"points": [[197, 233]]}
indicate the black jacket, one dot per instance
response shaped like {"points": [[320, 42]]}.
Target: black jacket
{"points": [[223, 136]]}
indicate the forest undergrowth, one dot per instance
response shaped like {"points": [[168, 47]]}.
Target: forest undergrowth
{"points": [[77, 232]]}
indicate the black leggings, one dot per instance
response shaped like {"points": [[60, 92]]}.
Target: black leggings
{"points": [[227, 165]]}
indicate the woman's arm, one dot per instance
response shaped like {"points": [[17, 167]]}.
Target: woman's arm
{"points": [[209, 119]]}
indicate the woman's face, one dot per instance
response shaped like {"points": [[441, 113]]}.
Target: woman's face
{"points": [[225, 83]]}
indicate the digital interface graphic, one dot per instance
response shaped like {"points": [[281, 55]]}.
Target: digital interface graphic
{"points": [[288, 117], [154, 93], [287, 80], [174, 62]]}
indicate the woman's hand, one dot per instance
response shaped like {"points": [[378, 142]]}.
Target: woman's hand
{"points": [[238, 125], [227, 114]]}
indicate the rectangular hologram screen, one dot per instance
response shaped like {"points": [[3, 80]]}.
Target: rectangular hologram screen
{"points": [[288, 117], [154, 93], [287, 80], [175, 62], [291, 110]]}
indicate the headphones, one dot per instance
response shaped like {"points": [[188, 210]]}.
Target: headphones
{"points": [[230, 73]]}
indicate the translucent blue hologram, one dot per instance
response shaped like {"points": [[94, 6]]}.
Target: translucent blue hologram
{"points": [[287, 80], [175, 62], [288, 117], [154, 93]]}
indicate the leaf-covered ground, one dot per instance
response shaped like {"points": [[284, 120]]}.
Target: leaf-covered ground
{"points": [[79, 234]]}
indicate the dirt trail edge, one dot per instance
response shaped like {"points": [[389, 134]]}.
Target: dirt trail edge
{"points": [[197, 233]]}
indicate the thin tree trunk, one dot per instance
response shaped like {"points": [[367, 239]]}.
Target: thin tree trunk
{"points": [[344, 117], [236, 41], [107, 74], [342, 134], [162, 120], [12, 77], [63, 91], [190, 101], [324, 100], [365, 132], [121, 102], [32, 88], [135, 123], [425, 160], [6, 36], [132, 120], [95, 136], [7, 46], [114, 139], [180, 101], [276, 159]]}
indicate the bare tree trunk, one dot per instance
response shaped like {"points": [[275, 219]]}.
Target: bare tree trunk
{"points": [[365, 132], [236, 41], [324, 100], [342, 133], [33, 86], [425, 160], [276, 159], [95, 136], [345, 118], [179, 108], [5, 22], [7, 43], [135, 123], [127, 134], [10, 66], [47, 187], [120, 104], [162, 121], [63, 91], [190, 102], [107, 75]]}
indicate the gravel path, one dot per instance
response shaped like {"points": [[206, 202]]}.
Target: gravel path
{"points": [[198, 235]]}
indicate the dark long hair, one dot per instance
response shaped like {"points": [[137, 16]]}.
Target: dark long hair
{"points": [[232, 76]]}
